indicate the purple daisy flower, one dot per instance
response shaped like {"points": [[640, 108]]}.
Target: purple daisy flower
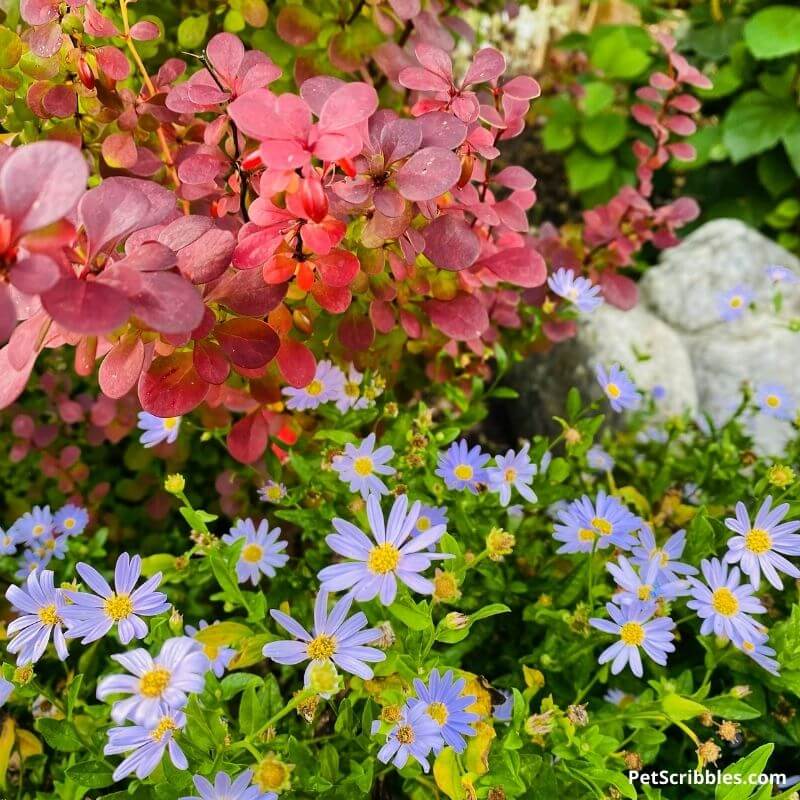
{"points": [[147, 745], [761, 653], [580, 291], [635, 626], [335, 638], [50, 547], [670, 569], [414, 735], [779, 274], [166, 680], [618, 387], [733, 303], [512, 471], [461, 467], [444, 702], [429, 516], [42, 607], [224, 788], [776, 400], [761, 547], [390, 555], [350, 396], [326, 385], [724, 605], [158, 429], [360, 466], [71, 520], [262, 552], [218, 657], [92, 616], [632, 586], [34, 526], [6, 687], [8, 542], [272, 492], [599, 459], [584, 526], [31, 562]]}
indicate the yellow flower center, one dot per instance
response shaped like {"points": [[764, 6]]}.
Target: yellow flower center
{"points": [[154, 682], [510, 475], [736, 301], [321, 647], [423, 524], [405, 734], [586, 535], [632, 634], [772, 400], [272, 775], [445, 586], [438, 712], [314, 388], [383, 558], [118, 606], [748, 647], [758, 541], [38, 530], [170, 423], [48, 615], [69, 523], [644, 591], [252, 553], [612, 390], [351, 389], [363, 466], [603, 525], [274, 492], [724, 602], [163, 728], [463, 472]]}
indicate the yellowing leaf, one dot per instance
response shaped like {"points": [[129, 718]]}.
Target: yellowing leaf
{"points": [[476, 756], [635, 498], [7, 738], [28, 744], [222, 634], [447, 774]]}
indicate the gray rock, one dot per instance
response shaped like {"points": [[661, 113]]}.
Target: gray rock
{"points": [[676, 339], [683, 289]]}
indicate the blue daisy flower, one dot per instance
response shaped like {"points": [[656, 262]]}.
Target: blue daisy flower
{"points": [[443, 701], [462, 468], [618, 387]]}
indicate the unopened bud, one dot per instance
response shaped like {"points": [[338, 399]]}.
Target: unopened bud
{"points": [[456, 621]]}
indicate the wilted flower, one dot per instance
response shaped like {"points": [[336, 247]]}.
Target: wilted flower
{"points": [[499, 543], [708, 752]]}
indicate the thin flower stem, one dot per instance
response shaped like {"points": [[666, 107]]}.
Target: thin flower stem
{"points": [[162, 139], [290, 706], [583, 692]]}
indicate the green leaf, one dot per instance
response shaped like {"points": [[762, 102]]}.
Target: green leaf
{"points": [[731, 708], [755, 122], [192, 31], [11, 48], [417, 617], [679, 708], [91, 774], [773, 32], [603, 132], [237, 682], [492, 610], [337, 437], [72, 693], [585, 170], [752, 764], [597, 97], [791, 142], [557, 136], [615, 56], [59, 734]]}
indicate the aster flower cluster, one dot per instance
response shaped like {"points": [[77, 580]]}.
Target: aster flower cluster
{"points": [[331, 385], [435, 717], [43, 535], [464, 468]]}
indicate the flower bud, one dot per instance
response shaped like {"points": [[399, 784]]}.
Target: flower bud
{"points": [[467, 165], [456, 621], [313, 198], [85, 74], [176, 621], [175, 483]]}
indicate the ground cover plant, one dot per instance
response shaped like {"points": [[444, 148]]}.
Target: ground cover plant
{"points": [[265, 270]]}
